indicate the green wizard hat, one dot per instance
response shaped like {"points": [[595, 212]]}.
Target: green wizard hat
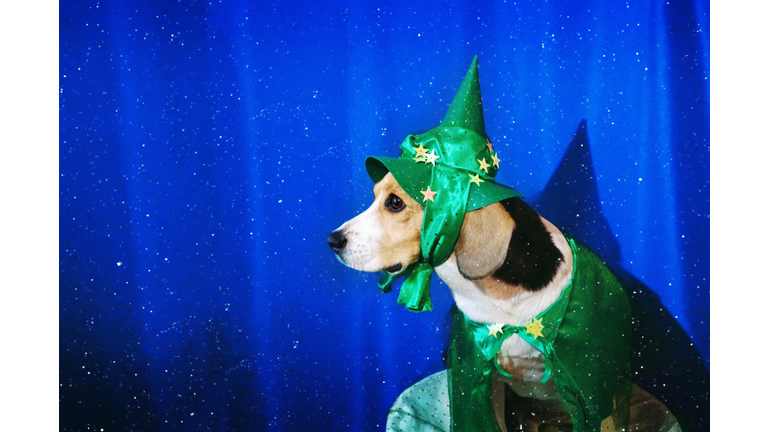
{"points": [[450, 169]]}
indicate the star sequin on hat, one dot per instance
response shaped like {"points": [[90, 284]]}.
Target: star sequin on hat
{"points": [[429, 194], [440, 159]]}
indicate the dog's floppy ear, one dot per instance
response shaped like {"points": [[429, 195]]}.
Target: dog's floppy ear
{"points": [[483, 241]]}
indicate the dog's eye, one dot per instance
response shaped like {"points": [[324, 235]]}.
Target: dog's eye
{"points": [[394, 203]]}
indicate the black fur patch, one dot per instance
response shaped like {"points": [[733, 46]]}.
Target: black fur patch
{"points": [[532, 257]]}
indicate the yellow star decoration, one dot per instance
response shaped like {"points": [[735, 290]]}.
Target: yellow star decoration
{"points": [[431, 157], [495, 328], [476, 179], [496, 160], [483, 164], [429, 194], [420, 151], [534, 328]]}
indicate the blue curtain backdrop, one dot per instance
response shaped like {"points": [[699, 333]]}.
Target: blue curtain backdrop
{"points": [[208, 148]]}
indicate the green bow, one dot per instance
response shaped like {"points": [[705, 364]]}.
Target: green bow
{"points": [[490, 345]]}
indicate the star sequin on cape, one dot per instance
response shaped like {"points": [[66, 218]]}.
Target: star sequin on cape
{"points": [[495, 328], [534, 328]]}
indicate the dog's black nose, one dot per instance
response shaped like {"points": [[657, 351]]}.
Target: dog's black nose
{"points": [[337, 241]]}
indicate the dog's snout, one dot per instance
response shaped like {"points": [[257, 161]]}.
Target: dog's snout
{"points": [[337, 240]]}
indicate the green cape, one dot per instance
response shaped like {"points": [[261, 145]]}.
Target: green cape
{"points": [[585, 340]]}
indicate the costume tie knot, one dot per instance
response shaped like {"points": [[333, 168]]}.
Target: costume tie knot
{"points": [[531, 333]]}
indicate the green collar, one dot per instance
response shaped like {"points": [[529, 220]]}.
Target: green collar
{"points": [[540, 331]]}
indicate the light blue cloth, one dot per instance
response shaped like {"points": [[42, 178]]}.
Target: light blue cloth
{"points": [[425, 407]]}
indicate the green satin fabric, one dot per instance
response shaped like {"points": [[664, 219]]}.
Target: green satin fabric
{"points": [[451, 176], [585, 341], [550, 319], [443, 217], [414, 293], [457, 148], [457, 161]]}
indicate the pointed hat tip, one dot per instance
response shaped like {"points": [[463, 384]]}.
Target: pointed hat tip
{"points": [[466, 108]]}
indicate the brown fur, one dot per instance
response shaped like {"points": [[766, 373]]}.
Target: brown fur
{"points": [[482, 244]]}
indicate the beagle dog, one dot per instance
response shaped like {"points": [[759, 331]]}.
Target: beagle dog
{"points": [[508, 265]]}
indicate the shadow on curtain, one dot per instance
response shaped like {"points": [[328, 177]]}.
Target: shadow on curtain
{"points": [[665, 360]]}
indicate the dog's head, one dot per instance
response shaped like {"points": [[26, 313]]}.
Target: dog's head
{"points": [[387, 236]]}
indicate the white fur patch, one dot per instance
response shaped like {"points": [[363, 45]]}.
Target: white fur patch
{"points": [[517, 308], [363, 233]]}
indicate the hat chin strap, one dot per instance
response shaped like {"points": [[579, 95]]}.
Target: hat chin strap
{"points": [[443, 218], [414, 293], [439, 231]]}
